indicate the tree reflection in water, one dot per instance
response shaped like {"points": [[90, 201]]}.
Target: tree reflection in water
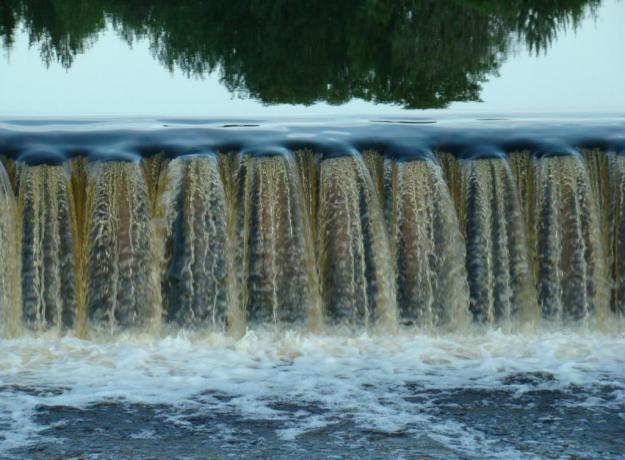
{"points": [[414, 53]]}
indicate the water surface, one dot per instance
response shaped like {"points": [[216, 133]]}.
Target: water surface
{"points": [[304, 246], [209, 59], [538, 394]]}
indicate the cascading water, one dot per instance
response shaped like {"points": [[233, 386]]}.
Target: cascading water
{"points": [[221, 240], [366, 251], [10, 268], [275, 235], [616, 223], [572, 279], [48, 247], [197, 275], [306, 288], [120, 265], [354, 256], [427, 246], [497, 256]]}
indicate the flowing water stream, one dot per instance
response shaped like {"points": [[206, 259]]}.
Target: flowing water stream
{"points": [[312, 229], [400, 290]]}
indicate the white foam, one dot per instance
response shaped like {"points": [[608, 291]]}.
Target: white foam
{"points": [[359, 377], [144, 434]]}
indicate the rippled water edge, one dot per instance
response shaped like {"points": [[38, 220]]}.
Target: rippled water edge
{"points": [[547, 392]]}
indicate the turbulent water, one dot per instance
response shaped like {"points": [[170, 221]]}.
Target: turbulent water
{"points": [[480, 394], [221, 240], [400, 299]]}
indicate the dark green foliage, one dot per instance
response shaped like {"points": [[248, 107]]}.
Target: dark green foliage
{"points": [[416, 53]]}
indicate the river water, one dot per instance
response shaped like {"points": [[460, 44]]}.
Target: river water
{"points": [[326, 230]]}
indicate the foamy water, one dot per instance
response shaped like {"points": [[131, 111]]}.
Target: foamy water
{"points": [[337, 387]]}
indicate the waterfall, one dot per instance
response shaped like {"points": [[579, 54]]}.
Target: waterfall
{"points": [[497, 256], [198, 264], [277, 263], [572, 279], [120, 266], [354, 254], [10, 283], [427, 246], [48, 247], [229, 240], [616, 237]]}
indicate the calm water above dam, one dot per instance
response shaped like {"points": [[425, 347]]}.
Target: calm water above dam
{"points": [[234, 275]]}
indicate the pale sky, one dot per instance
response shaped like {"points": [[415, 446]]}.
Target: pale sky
{"points": [[583, 71]]}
